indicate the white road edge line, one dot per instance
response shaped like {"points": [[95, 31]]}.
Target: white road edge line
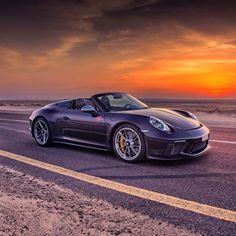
{"points": [[14, 130], [222, 141], [23, 121]]}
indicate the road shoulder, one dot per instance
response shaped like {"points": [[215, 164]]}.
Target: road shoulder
{"points": [[31, 206]]}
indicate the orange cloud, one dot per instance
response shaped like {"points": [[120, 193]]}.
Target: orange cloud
{"points": [[194, 65], [16, 59], [180, 63]]}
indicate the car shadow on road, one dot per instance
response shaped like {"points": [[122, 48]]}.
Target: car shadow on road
{"points": [[112, 162]]}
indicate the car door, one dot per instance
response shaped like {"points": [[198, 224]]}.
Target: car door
{"points": [[83, 128]]}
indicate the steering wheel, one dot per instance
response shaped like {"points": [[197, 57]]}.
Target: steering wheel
{"points": [[127, 106]]}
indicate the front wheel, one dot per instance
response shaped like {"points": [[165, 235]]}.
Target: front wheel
{"points": [[42, 132], [129, 144]]}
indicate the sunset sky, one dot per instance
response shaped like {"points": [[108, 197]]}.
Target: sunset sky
{"points": [[153, 48]]}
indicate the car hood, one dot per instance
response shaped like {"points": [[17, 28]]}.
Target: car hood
{"points": [[170, 117]]}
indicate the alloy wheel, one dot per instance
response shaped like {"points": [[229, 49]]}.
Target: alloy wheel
{"points": [[41, 132], [128, 144]]}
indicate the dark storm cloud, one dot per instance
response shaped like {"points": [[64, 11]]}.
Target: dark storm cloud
{"points": [[41, 23], [24, 23], [209, 16]]}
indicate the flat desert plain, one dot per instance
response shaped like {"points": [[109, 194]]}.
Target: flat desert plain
{"points": [[210, 111]]}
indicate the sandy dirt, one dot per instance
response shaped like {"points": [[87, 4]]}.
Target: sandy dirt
{"points": [[211, 106], [217, 119], [29, 206]]}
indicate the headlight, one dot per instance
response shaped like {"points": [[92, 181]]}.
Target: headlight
{"points": [[159, 124]]}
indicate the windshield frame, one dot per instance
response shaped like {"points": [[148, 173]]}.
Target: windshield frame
{"points": [[96, 98]]}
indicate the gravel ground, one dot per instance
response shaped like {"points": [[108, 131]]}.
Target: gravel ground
{"points": [[30, 206]]}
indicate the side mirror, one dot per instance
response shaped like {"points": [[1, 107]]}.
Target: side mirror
{"points": [[89, 109]]}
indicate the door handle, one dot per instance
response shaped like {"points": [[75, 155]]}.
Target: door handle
{"points": [[65, 118]]}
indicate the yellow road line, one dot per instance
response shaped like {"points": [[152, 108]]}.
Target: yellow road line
{"points": [[196, 207]]}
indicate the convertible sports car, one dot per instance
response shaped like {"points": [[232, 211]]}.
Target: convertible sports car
{"points": [[120, 122]]}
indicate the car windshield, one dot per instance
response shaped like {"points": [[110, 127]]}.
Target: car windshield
{"points": [[120, 102]]}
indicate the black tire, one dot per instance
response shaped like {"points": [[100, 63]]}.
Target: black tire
{"points": [[41, 127], [125, 147]]}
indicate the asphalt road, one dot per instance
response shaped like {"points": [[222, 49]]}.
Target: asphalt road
{"points": [[209, 180]]}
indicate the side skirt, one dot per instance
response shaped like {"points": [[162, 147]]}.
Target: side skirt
{"points": [[83, 145]]}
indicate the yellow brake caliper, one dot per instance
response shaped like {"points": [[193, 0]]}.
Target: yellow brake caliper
{"points": [[122, 143]]}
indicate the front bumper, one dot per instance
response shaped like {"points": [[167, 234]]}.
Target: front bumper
{"points": [[179, 148], [170, 153]]}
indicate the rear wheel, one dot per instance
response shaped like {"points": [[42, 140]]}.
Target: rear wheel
{"points": [[129, 144], [42, 133]]}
